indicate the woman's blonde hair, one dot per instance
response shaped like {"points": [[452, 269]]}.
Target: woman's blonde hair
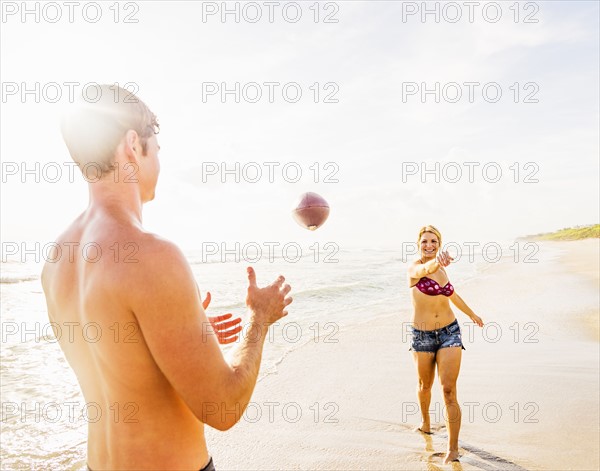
{"points": [[433, 230]]}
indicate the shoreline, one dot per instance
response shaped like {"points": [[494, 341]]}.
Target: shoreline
{"points": [[351, 404], [580, 263]]}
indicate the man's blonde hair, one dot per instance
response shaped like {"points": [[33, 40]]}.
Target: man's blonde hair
{"points": [[93, 130]]}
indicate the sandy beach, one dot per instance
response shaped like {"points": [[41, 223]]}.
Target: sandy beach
{"points": [[528, 386]]}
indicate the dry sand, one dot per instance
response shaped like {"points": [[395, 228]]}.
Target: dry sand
{"points": [[528, 388]]}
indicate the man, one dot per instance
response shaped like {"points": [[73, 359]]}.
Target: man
{"points": [[144, 352]]}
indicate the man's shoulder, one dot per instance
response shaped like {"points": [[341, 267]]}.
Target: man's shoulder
{"points": [[157, 269], [160, 283], [156, 252]]}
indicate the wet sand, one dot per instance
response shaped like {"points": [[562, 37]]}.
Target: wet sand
{"points": [[528, 386]]}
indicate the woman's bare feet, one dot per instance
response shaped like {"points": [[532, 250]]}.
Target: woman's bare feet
{"points": [[451, 456], [425, 428]]}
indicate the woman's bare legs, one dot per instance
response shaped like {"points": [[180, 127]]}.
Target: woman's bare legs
{"points": [[425, 364], [448, 364]]}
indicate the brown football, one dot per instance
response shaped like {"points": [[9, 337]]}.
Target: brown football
{"points": [[311, 211]]}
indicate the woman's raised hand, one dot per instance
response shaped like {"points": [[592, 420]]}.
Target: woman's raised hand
{"points": [[444, 258]]}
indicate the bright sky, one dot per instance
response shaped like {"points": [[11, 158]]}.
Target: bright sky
{"points": [[375, 137]]}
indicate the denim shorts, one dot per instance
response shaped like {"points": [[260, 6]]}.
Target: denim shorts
{"points": [[433, 340]]}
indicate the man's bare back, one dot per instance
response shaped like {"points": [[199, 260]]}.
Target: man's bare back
{"points": [[144, 352]]}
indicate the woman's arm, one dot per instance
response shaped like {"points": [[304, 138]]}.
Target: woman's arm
{"points": [[460, 304], [419, 270]]}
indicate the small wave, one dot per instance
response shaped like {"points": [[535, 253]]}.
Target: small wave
{"points": [[17, 279], [335, 289], [242, 257]]}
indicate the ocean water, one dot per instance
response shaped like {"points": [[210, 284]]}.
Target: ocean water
{"points": [[44, 418]]}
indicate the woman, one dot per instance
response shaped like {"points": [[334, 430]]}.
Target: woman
{"points": [[436, 338]]}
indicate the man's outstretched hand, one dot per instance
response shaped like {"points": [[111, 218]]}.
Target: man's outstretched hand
{"points": [[227, 330], [268, 304]]}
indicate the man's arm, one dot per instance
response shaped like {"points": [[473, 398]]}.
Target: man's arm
{"points": [[166, 304], [271, 300]]}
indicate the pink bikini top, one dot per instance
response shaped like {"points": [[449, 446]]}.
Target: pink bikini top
{"points": [[433, 288]]}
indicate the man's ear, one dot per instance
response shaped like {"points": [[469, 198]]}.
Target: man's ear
{"points": [[133, 146]]}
